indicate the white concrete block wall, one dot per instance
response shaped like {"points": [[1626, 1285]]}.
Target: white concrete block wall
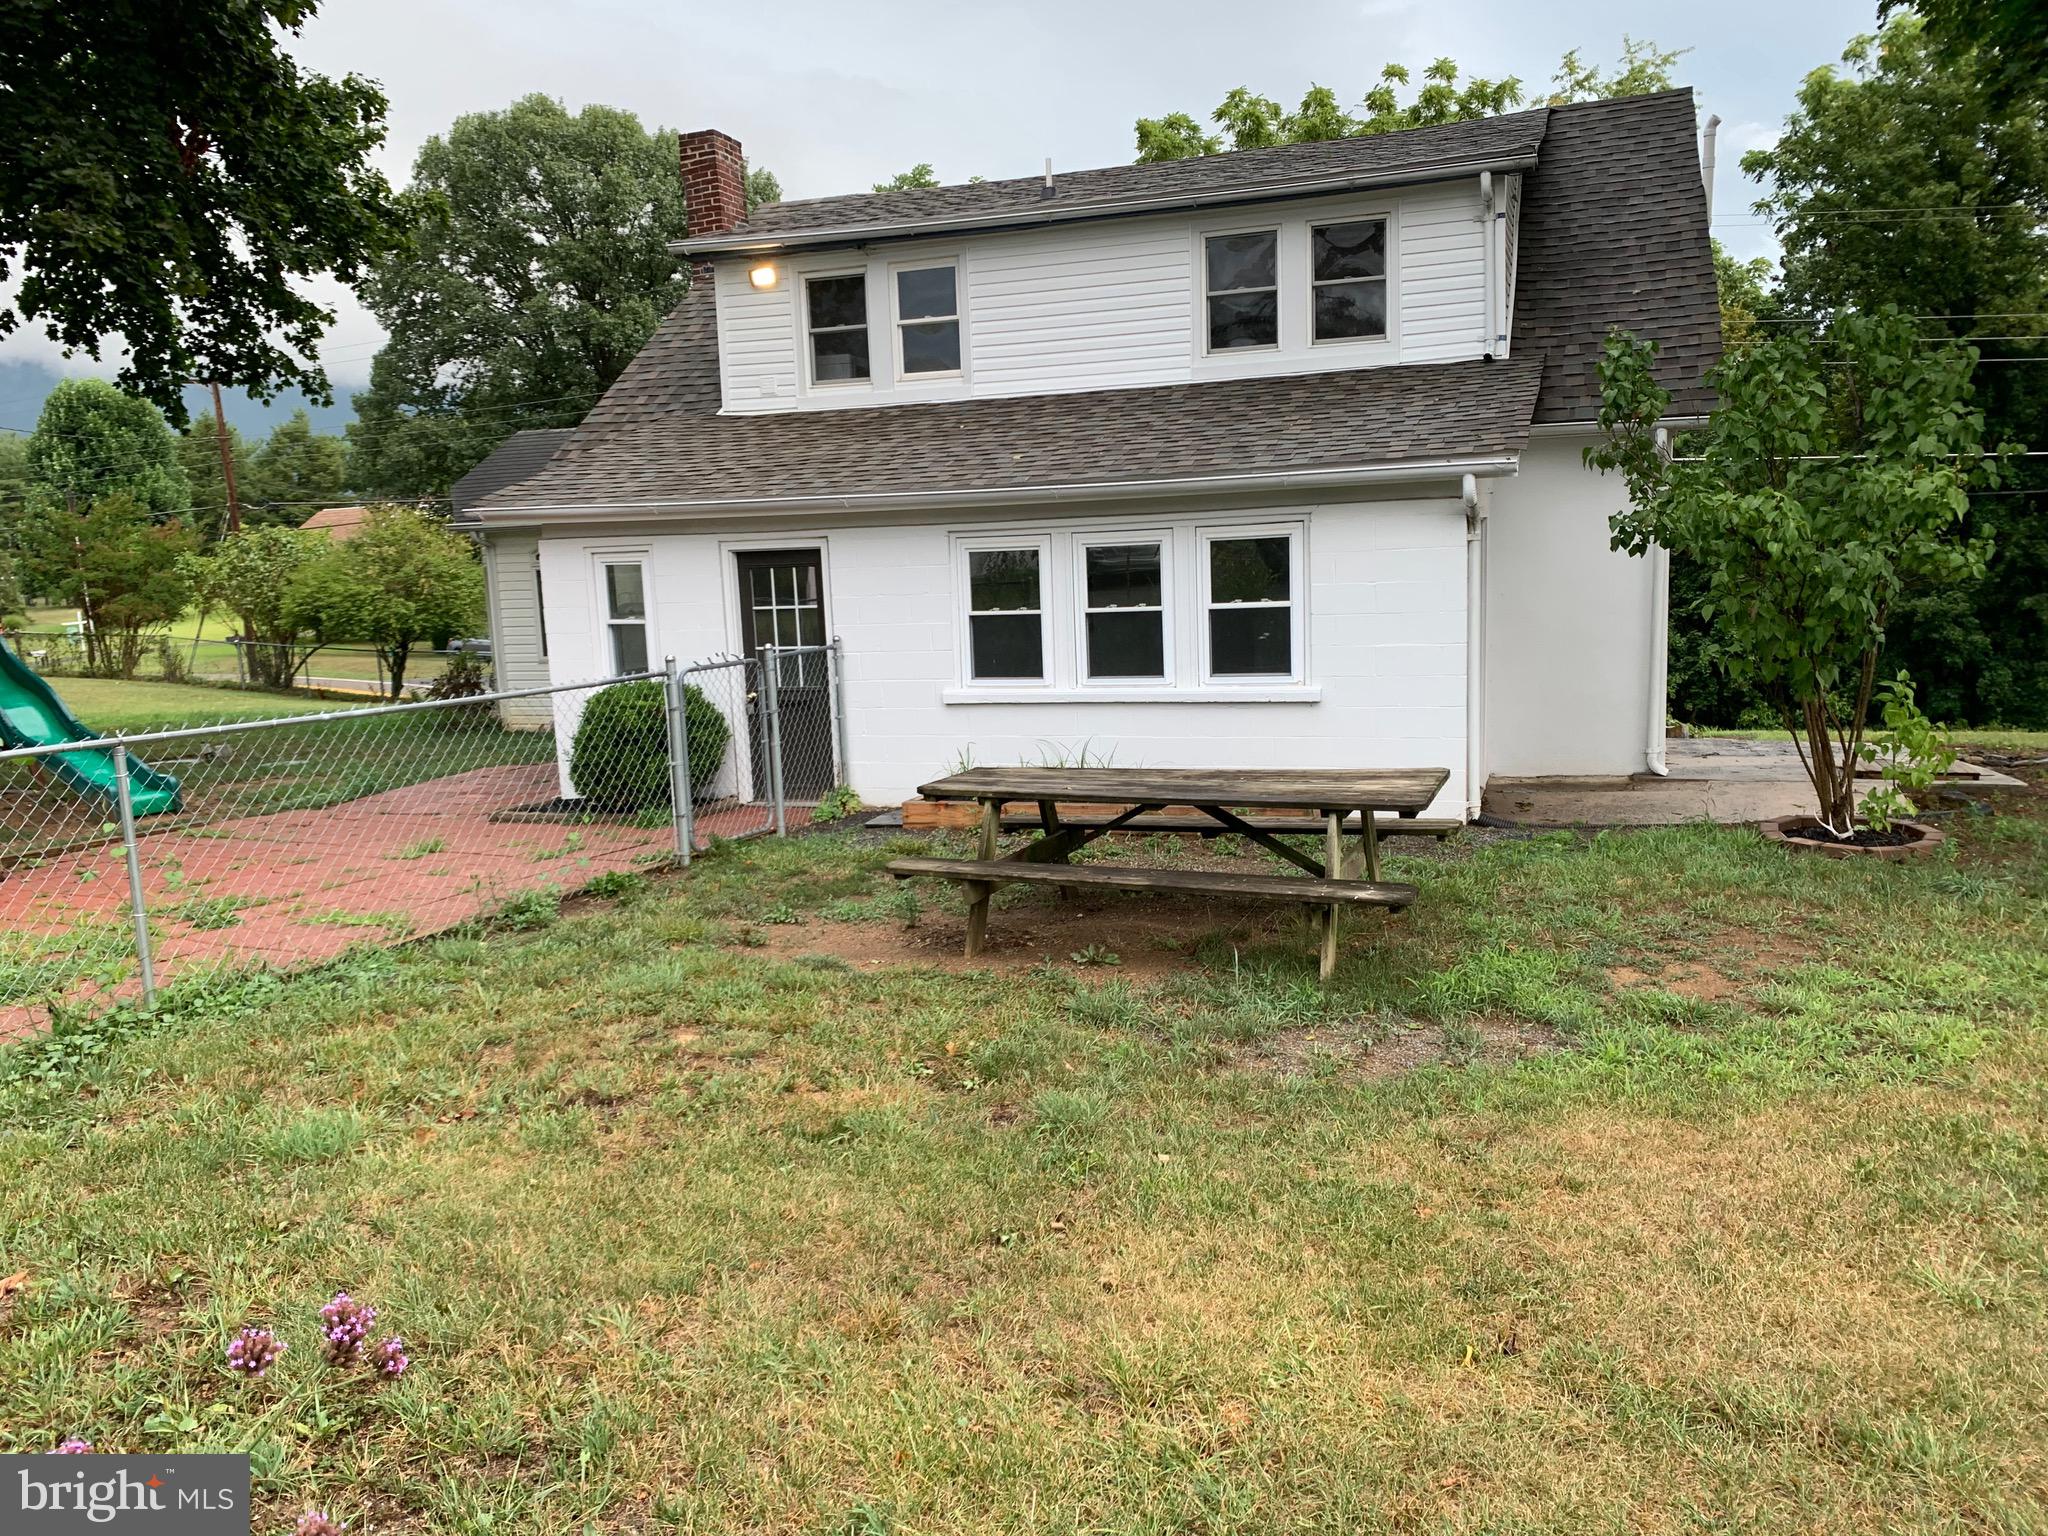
{"points": [[1569, 638], [1385, 610]]}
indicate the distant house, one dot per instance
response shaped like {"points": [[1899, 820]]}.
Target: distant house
{"points": [[339, 523], [1264, 459], [512, 591]]}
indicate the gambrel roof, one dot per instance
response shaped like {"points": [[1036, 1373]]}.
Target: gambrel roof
{"points": [[1613, 235]]}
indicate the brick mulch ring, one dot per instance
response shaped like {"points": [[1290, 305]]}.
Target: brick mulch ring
{"points": [[297, 888]]}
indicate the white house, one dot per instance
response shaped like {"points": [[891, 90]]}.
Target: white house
{"points": [[1261, 459]]}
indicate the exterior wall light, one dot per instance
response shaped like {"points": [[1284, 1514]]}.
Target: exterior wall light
{"points": [[763, 276]]}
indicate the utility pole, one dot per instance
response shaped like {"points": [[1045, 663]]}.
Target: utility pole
{"points": [[227, 458]]}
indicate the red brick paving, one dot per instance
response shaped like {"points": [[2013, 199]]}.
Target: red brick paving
{"points": [[318, 882]]}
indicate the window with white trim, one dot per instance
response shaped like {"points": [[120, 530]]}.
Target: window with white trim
{"points": [[625, 598], [1348, 280], [1006, 614], [836, 314], [928, 320], [1242, 285], [1124, 583], [1250, 583]]}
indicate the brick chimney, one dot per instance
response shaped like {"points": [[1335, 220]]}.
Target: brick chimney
{"points": [[714, 187]]}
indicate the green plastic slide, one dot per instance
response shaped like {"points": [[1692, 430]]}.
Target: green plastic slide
{"points": [[31, 715]]}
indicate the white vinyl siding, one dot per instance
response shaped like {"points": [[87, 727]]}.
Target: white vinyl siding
{"points": [[518, 658], [1116, 304], [1441, 295]]}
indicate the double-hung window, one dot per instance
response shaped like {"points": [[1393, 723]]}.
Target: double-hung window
{"points": [[1124, 582], [1242, 280], [1348, 276], [625, 598], [836, 312], [928, 320], [1006, 614], [1249, 586]]}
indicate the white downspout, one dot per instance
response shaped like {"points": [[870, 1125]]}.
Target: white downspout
{"points": [[1486, 261], [1475, 650], [1658, 701], [1707, 164]]}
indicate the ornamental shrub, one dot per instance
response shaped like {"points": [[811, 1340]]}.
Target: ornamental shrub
{"points": [[619, 758]]}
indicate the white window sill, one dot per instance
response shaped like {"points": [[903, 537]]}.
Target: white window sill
{"points": [[1270, 693]]}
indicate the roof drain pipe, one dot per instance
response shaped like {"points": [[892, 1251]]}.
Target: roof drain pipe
{"points": [[1707, 162], [1658, 701], [1475, 649]]}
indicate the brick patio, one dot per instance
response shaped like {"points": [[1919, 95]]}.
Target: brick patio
{"points": [[300, 887]]}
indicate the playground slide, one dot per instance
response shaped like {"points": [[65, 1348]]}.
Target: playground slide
{"points": [[31, 715]]}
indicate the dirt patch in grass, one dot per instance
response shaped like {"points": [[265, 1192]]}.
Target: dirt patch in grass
{"points": [[1371, 1048], [1146, 938]]}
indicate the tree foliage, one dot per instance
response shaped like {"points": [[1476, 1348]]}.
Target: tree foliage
{"points": [[919, 175], [539, 266], [199, 457], [255, 575], [122, 567], [1251, 121], [92, 442], [2004, 42], [294, 474], [1832, 481], [1906, 178], [405, 577], [170, 176]]}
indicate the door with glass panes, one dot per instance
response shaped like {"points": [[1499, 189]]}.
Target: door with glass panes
{"points": [[782, 603]]}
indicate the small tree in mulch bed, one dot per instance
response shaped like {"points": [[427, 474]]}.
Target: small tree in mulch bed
{"points": [[1833, 477], [618, 760]]}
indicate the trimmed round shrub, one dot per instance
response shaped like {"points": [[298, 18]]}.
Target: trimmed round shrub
{"points": [[618, 760]]}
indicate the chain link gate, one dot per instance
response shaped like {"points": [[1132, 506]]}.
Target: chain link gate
{"points": [[140, 860]]}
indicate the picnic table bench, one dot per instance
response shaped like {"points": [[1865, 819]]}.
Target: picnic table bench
{"points": [[1138, 800]]}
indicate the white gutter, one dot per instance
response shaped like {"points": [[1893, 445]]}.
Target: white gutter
{"points": [[1475, 649], [1658, 700], [1106, 490], [1007, 218]]}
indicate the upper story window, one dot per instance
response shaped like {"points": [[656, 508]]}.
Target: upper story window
{"points": [[1348, 273], [928, 320], [1242, 273], [836, 310]]}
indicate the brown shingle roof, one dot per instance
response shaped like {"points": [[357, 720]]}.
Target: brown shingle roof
{"points": [[339, 523], [1613, 233], [1413, 154], [1035, 443], [518, 458]]}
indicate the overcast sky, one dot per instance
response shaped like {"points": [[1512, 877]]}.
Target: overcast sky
{"points": [[834, 96]]}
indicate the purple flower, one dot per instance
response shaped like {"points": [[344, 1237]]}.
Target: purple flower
{"points": [[254, 1351], [72, 1447], [390, 1358], [315, 1522], [345, 1322]]}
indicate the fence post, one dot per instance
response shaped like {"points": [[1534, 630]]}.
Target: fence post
{"points": [[141, 912], [771, 704], [842, 730], [679, 792], [241, 662]]}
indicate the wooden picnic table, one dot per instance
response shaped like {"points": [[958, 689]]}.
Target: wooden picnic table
{"points": [[1140, 794]]}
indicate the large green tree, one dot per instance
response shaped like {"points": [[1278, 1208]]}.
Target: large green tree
{"points": [[539, 267], [296, 472], [255, 575], [404, 579], [123, 568], [199, 457], [1907, 178], [91, 442], [2006, 41], [1248, 120], [171, 175]]}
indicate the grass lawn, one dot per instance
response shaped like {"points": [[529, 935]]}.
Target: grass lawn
{"points": [[703, 1210], [1995, 736], [109, 704]]}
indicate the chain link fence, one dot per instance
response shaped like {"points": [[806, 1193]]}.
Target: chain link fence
{"points": [[343, 669], [133, 862]]}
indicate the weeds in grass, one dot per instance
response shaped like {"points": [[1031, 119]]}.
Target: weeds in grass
{"points": [[426, 847], [530, 910], [615, 884], [211, 912]]}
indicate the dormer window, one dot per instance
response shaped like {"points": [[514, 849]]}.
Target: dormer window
{"points": [[836, 309], [928, 320], [1243, 278], [1348, 272]]}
